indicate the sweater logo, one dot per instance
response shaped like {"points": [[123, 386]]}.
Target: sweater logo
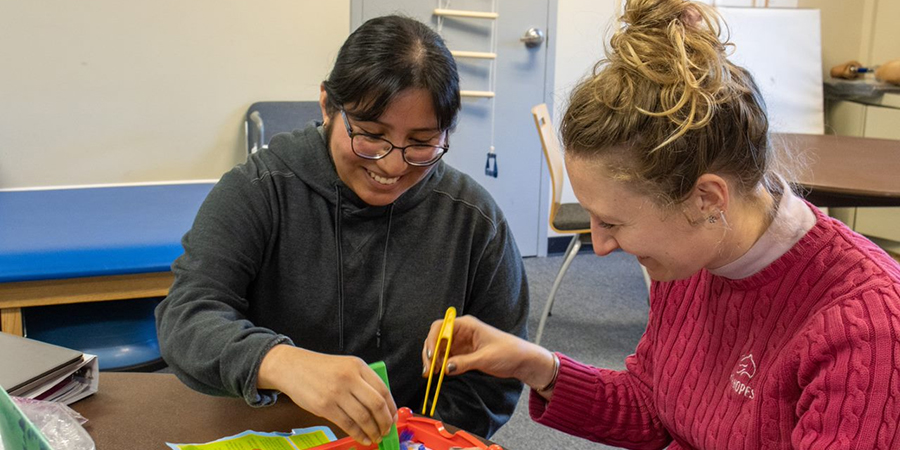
{"points": [[743, 373], [746, 367]]}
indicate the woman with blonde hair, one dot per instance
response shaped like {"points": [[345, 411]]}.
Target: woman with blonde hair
{"points": [[771, 325]]}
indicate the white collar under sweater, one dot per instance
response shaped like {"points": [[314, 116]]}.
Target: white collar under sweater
{"points": [[792, 221]]}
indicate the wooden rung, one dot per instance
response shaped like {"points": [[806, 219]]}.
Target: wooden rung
{"points": [[478, 55], [468, 14], [483, 94]]}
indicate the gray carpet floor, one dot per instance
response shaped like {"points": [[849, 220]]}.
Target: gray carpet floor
{"points": [[599, 314]]}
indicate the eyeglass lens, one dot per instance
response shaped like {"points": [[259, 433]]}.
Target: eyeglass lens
{"points": [[374, 147]]}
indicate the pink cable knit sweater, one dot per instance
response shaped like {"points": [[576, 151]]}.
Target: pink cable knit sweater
{"points": [[804, 354]]}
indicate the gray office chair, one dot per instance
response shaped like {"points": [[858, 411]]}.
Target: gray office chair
{"points": [[266, 119]]}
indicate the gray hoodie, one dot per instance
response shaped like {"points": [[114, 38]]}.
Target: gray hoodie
{"points": [[282, 251]]}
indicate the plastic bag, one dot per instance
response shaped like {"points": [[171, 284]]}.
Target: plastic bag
{"points": [[59, 424]]}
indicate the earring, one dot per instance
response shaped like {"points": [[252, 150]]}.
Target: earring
{"points": [[713, 219]]}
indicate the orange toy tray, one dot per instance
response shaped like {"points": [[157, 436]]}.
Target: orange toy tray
{"points": [[427, 431]]}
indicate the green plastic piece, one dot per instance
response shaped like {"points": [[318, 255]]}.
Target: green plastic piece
{"points": [[16, 431], [391, 441]]}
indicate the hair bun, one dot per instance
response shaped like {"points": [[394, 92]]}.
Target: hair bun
{"points": [[676, 45], [652, 13], [666, 106]]}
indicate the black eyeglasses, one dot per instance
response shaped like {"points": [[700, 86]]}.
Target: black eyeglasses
{"points": [[368, 146]]}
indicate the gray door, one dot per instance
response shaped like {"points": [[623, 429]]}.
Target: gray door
{"points": [[519, 78]]}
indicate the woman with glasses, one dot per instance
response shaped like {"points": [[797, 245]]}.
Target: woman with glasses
{"points": [[340, 243]]}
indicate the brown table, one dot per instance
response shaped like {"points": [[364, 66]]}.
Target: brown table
{"points": [[146, 410], [847, 171]]}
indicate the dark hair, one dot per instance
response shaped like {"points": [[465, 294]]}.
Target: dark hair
{"points": [[666, 106], [387, 55]]}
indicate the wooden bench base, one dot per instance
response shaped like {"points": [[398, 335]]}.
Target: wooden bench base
{"points": [[15, 296]]}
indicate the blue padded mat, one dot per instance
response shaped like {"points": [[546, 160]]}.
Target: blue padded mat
{"points": [[69, 233]]}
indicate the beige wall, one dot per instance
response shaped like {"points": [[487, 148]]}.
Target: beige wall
{"points": [[106, 91], [885, 32], [861, 30], [102, 91]]}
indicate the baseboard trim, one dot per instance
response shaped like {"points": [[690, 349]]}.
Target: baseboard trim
{"points": [[557, 245]]}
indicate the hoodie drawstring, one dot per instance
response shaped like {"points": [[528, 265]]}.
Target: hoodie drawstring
{"points": [[387, 239], [340, 267], [340, 270]]}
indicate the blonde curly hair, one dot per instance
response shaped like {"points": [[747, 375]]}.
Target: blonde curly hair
{"points": [[666, 106]]}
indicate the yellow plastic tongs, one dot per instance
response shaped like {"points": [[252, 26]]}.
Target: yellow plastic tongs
{"points": [[446, 333]]}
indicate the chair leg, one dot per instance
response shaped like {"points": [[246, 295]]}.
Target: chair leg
{"points": [[571, 252], [574, 246]]}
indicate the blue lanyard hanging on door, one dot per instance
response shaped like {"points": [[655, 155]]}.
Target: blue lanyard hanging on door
{"points": [[490, 166]]}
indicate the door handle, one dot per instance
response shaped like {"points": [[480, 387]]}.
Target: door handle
{"points": [[533, 37]]}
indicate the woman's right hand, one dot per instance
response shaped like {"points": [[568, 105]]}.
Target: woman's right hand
{"points": [[479, 346], [341, 389]]}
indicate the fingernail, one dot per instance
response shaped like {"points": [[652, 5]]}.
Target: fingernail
{"points": [[429, 353], [451, 367], [424, 369], [366, 441]]}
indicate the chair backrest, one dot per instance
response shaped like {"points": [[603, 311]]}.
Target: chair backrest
{"points": [[266, 119], [553, 153]]}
